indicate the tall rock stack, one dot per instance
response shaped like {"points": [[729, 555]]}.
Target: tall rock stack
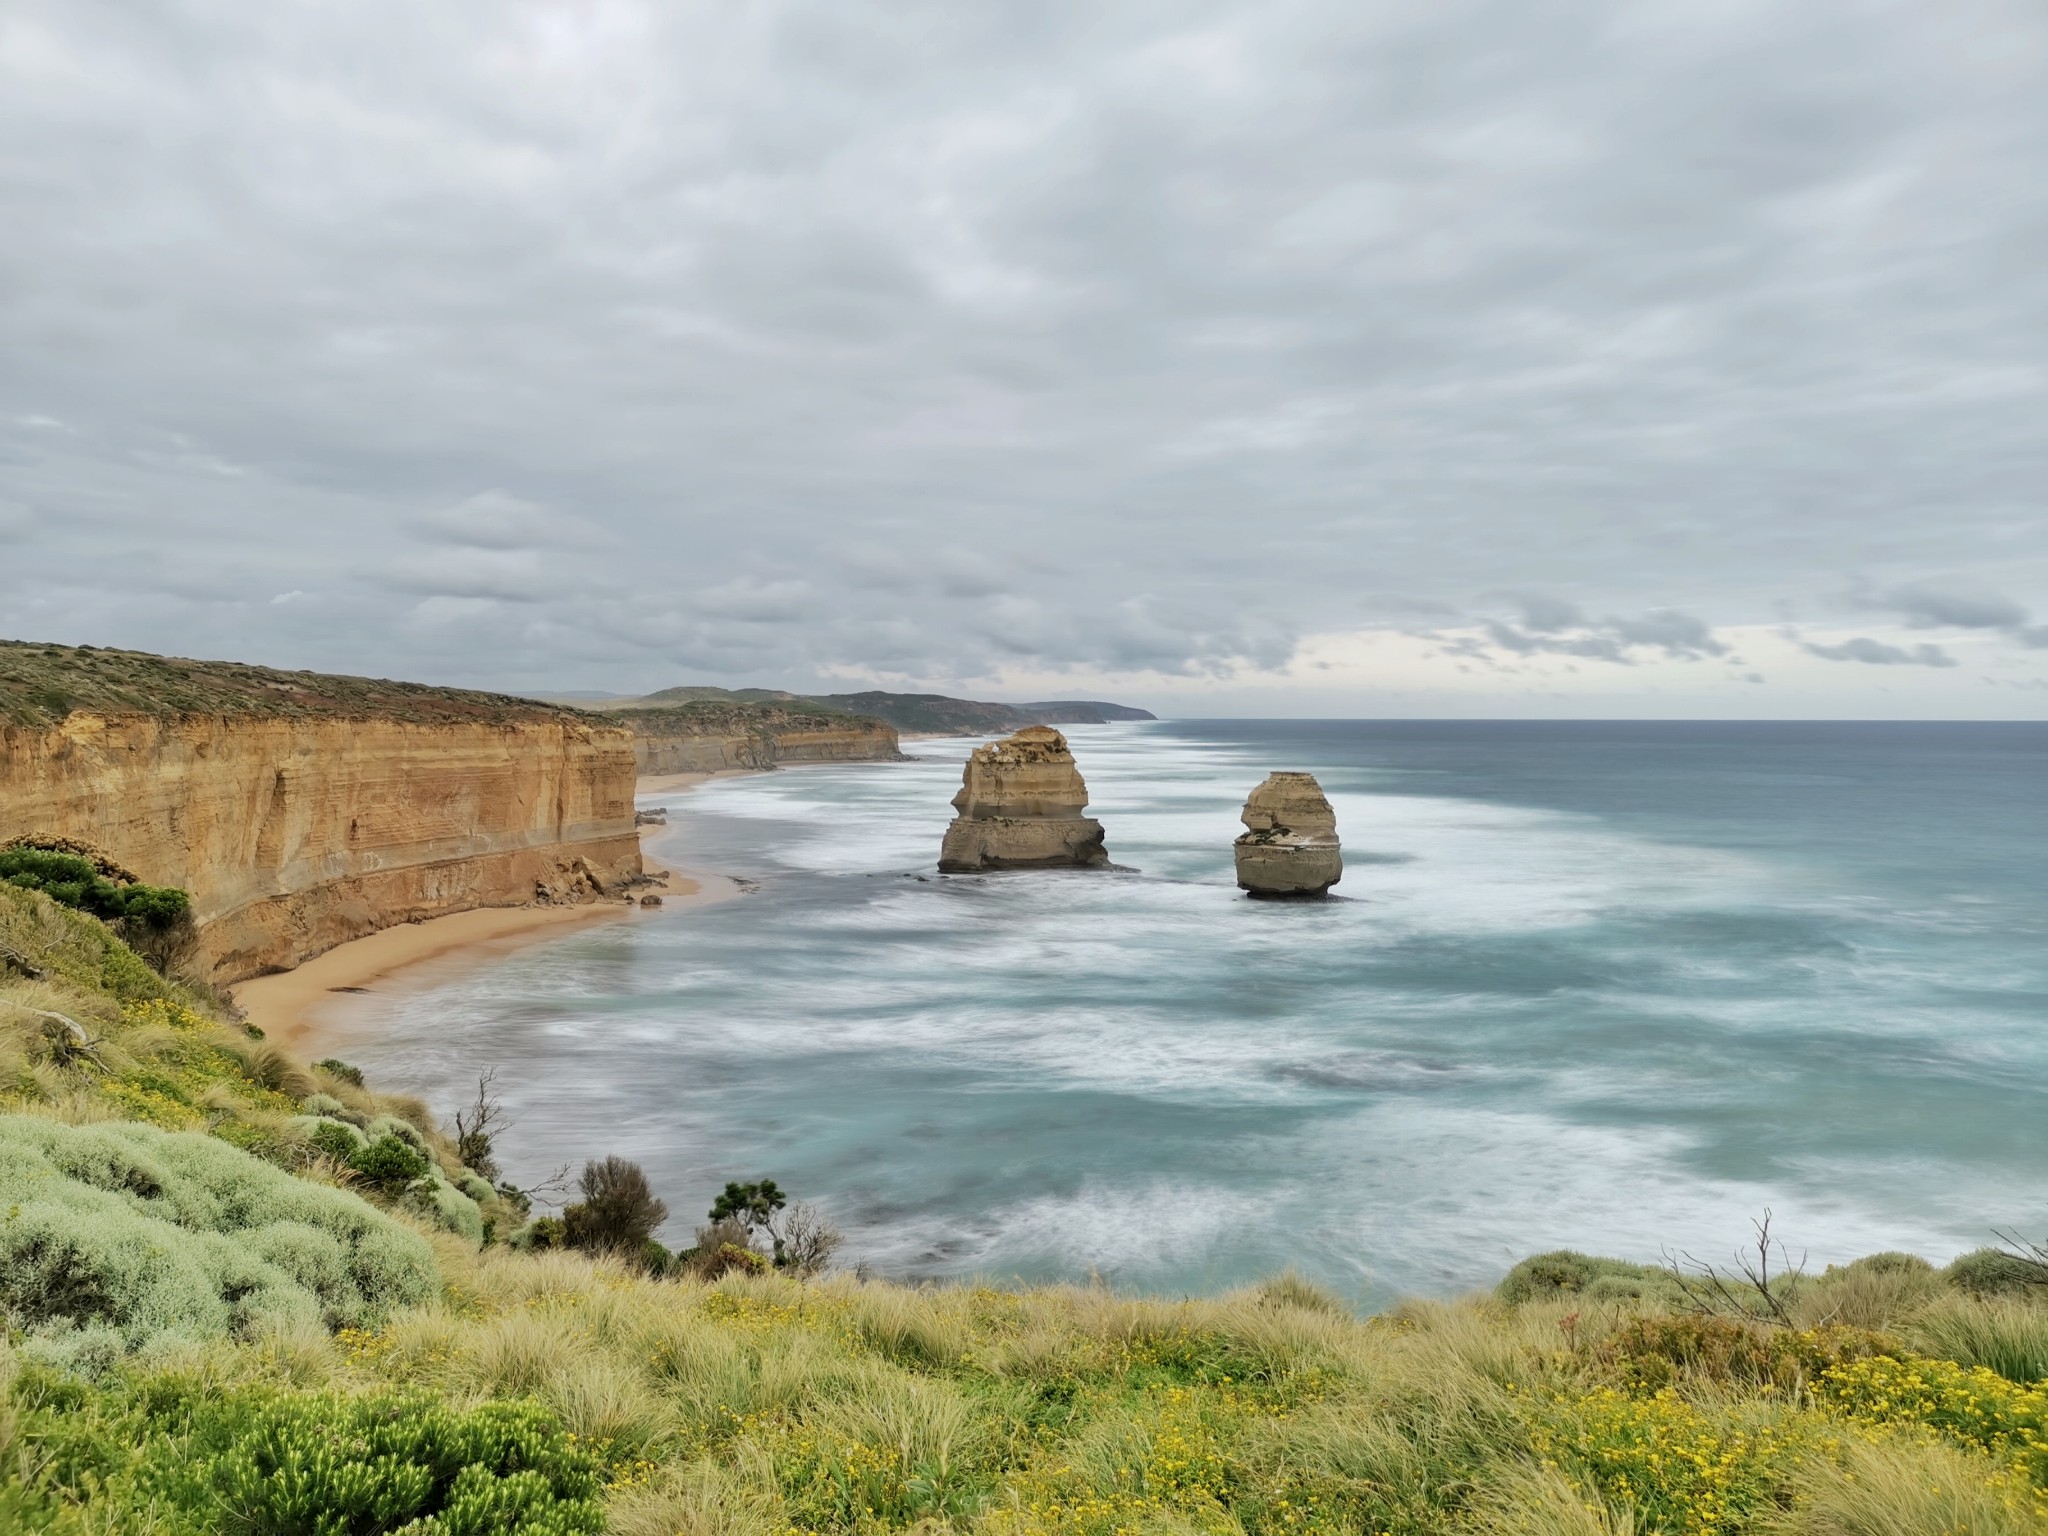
{"points": [[1290, 847], [1020, 806]]}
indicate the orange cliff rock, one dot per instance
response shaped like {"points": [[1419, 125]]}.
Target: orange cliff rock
{"points": [[1290, 845], [1020, 806], [300, 816]]}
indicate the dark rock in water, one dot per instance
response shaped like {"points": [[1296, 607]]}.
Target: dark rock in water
{"points": [[1290, 846]]}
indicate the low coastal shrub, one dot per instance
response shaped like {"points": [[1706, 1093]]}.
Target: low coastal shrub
{"points": [[336, 1140], [274, 1463], [125, 1233], [1564, 1273], [41, 940], [1650, 1354], [1995, 1272], [389, 1164], [77, 882], [1876, 1291], [341, 1070]]}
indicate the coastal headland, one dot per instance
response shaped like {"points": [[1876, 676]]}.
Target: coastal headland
{"points": [[301, 811]]}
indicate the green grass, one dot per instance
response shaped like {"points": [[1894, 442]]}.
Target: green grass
{"points": [[771, 1406]]}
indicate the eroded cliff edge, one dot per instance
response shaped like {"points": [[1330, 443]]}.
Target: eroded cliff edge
{"points": [[301, 811]]}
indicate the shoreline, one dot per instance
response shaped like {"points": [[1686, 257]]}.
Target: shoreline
{"points": [[342, 991]]}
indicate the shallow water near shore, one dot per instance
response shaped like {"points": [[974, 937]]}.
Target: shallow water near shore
{"points": [[1612, 986]]}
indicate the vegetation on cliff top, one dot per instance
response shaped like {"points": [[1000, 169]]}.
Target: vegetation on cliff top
{"points": [[43, 684], [930, 713], [738, 717], [75, 880], [206, 1328]]}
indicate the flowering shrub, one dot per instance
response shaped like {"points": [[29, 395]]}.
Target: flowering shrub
{"points": [[1648, 1354], [1967, 1403], [1682, 1471]]}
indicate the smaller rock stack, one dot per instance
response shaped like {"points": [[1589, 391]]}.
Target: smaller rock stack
{"points": [[1291, 846], [1020, 806]]}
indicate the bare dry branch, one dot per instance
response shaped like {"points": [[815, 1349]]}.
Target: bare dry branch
{"points": [[1710, 1293]]}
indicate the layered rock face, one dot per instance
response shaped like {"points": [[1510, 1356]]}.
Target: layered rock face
{"points": [[1290, 846], [295, 834], [703, 739], [1020, 806]]}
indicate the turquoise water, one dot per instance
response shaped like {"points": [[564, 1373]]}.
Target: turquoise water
{"points": [[1617, 987]]}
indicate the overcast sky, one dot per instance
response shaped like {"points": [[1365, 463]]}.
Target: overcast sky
{"points": [[1342, 357]]}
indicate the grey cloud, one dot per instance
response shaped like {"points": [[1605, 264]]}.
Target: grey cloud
{"points": [[564, 346], [1548, 615], [1553, 627], [1927, 605], [513, 575], [1877, 654]]}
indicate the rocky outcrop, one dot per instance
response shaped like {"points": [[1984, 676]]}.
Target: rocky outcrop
{"points": [[301, 811], [1020, 806], [716, 738], [1290, 846]]}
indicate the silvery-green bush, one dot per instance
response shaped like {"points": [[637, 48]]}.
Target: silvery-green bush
{"points": [[158, 1236]]}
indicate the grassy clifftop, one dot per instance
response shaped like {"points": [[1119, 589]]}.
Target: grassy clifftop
{"points": [[727, 717], [928, 713], [203, 1327], [42, 684]]}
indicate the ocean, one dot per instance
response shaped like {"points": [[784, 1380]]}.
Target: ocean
{"points": [[1616, 987]]}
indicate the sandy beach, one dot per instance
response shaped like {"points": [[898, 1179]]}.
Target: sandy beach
{"points": [[340, 991]]}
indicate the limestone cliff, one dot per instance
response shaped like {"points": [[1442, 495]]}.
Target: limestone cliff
{"points": [[1290, 844], [712, 736], [302, 811], [1020, 806]]}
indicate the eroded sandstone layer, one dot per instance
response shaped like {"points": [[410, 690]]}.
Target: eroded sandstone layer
{"points": [[1020, 806], [301, 812], [1290, 846], [713, 738]]}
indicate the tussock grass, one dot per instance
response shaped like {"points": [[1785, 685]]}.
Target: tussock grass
{"points": [[2002, 1334], [1579, 1400], [760, 1404], [1902, 1486]]}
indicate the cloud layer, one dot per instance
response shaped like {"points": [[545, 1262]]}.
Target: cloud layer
{"points": [[612, 344]]}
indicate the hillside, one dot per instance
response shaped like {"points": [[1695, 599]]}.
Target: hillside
{"points": [[241, 1293], [932, 714], [45, 684], [723, 733]]}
